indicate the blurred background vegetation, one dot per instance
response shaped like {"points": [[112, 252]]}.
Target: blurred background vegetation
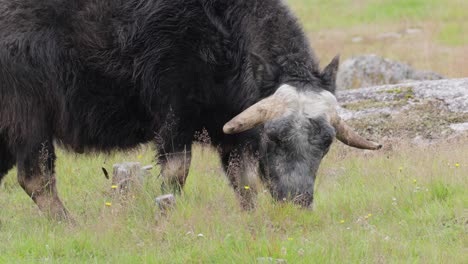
{"points": [[427, 34]]}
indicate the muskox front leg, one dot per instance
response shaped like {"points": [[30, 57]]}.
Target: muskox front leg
{"points": [[36, 174], [174, 170], [240, 166]]}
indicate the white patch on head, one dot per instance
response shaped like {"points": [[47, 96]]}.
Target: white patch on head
{"points": [[287, 93], [310, 104]]}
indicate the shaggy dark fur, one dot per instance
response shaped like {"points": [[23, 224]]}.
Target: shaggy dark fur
{"points": [[99, 75]]}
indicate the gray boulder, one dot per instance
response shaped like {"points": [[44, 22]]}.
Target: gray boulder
{"points": [[424, 109], [371, 70]]}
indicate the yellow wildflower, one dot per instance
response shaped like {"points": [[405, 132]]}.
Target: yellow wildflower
{"points": [[246, 187], [108, 203], [342, 221], [457, 164], [114, 186]]}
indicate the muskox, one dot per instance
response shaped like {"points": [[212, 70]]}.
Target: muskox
{"points": [[101, 75]]}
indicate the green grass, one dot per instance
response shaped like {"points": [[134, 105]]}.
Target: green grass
{"points": [[450, 15], [454, 34], [405, 205], [341, 13]]}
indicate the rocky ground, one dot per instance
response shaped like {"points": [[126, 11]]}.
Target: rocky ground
{"points": [[423, 111]]}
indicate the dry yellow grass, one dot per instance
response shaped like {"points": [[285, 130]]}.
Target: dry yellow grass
{"points": [[421, 50]]}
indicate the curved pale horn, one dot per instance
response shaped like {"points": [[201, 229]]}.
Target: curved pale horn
{"points": [[345, 134], [259, 113]]}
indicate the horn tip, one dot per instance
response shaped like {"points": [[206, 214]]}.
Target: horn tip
{"points": [[228, 129], [377, 146]]}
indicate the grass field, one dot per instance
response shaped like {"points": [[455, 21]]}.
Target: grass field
{"points": [[405, 204]]}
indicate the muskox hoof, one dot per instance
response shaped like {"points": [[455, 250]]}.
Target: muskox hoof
{"points": [[55, 211], [58, 217]]}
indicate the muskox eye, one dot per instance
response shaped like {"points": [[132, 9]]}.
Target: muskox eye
{"points": [[327, 139]]}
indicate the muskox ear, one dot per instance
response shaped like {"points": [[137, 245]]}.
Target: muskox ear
{"points": [[329, 74], [265, 73]]}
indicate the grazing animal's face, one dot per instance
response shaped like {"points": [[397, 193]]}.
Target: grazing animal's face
{"points": [[293, 146], [297, 134]]}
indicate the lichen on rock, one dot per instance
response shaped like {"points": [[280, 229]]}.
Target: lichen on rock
{"points": [[429, 110]]}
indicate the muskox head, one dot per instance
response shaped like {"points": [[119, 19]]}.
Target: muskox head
{"points": [[299, 124]]}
